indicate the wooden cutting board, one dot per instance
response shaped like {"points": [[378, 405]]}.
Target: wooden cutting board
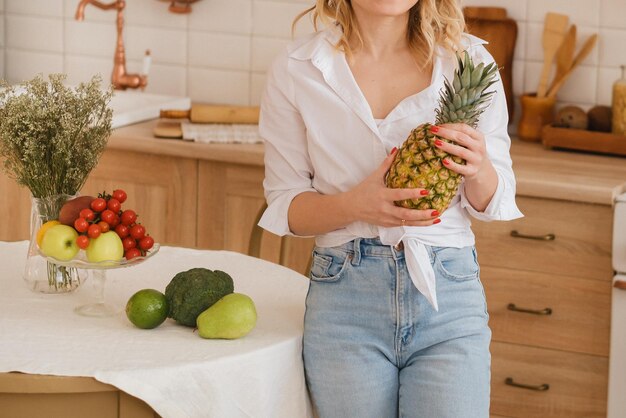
{"points": [[493, 25]]}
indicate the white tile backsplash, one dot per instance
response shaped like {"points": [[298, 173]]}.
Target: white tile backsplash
{"points": [[613, 14], [52, 8], [166, 45], [219, 86], [271, 18], [215, 50], [24, 65], [581, 12], [90, 38], [34, 33], [227, 16], [221, 51]]}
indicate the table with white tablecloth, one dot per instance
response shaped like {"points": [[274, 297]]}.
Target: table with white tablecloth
{"points": [[171, 368]]}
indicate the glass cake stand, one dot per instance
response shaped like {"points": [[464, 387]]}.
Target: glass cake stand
{"points": [[99, 308]]}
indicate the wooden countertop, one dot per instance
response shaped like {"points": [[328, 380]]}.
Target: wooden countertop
{"points": [[539, 172]]}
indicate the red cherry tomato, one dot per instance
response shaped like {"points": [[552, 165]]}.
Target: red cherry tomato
{"points": [[98, 204], [132, 253], [119, 195], [105, 227], [116, 221], [137, 231], [114, 205], [87, 214], [122, 230], [82, 241], [81, 224], [128, 243], [108, 216], [146, 243], [94, 231], [128, 217]]}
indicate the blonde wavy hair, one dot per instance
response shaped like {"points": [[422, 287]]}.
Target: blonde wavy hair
{"points": [[431, 23]]}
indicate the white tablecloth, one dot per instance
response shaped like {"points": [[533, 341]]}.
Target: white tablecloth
{"points": [[171, 368]]}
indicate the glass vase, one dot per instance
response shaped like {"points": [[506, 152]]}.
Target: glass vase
{"points": [[40, 274]]}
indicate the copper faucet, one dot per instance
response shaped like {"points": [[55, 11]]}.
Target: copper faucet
{"points": [[120, 79]]}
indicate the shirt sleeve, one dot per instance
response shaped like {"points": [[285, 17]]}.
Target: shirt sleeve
{"points": [[288, 168], [493, 124]]}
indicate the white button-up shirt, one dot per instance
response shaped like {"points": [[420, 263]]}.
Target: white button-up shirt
{"points": [[320, 136]]}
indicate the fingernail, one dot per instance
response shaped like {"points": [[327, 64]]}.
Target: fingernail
{"points": [[445, 162], [434, 213], [434, 128], [438, 142], [436, 221], [393, 150], [423, 192]]}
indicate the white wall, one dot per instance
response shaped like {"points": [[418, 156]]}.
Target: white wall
{"points": [[219, 53]]}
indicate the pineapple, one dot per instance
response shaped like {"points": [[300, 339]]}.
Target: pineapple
{"points": [[418, 162]]}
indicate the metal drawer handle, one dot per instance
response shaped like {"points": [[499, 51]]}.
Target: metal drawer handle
{"points": [[547, 237], [544, 311], [539, 388]]}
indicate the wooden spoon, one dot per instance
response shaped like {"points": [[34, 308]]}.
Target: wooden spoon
{"points": [[565, 55], [580, 57], [554, 30]]}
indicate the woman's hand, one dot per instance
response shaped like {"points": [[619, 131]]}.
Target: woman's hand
{"points": [[468, 144], [373, 202], [481, 179]]}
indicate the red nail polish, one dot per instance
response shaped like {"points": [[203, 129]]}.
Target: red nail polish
{"points": [[423, 192], [436, 221], [438, 142], [434, 213], [393, 150], [445, 162], [434, 128]]}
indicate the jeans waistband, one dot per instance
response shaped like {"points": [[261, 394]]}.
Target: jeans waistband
{"points": [[371, 247]]}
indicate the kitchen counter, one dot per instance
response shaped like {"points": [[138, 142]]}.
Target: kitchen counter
{"points": [[563, 175]]}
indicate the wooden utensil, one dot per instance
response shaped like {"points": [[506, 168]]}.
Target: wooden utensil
{"points": [[493, 25], [202, 113], [580, 57], [554, 30], [565, 55]]}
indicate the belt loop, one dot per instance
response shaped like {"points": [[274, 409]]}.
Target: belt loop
{"points": [[356, 258]]}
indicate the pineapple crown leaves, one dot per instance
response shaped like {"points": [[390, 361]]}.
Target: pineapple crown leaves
{"points": [[464, 99]]}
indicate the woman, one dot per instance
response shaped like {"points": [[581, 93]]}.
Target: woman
{"points": [[396, 319]]}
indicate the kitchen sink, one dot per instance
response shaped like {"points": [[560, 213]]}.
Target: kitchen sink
{"points": [[131, 106]]}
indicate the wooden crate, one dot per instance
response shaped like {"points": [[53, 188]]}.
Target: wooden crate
{"points": [[578, 139]]}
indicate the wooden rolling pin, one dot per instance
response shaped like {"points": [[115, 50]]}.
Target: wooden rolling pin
{"points": [[202, 113]]}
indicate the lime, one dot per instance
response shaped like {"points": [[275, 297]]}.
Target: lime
{"points": [[147, 308]]}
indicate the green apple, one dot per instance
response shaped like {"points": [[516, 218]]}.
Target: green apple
{"points": [[59, 242], [107, 247], [233, 316]]}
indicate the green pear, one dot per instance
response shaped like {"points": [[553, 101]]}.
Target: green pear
{"points": [[233, 316]]}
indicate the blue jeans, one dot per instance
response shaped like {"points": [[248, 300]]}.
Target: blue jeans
{"points": [[374, 347]]}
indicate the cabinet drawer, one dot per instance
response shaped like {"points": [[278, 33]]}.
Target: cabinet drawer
{"points": [[581, 246], [577, 383], [549, 311]]}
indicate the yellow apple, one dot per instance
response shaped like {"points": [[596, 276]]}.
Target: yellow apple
{"points": [[107, 247], [59, 242]]}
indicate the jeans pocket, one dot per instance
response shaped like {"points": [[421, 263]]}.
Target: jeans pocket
{"points": [[328, 264], [457, 263]]}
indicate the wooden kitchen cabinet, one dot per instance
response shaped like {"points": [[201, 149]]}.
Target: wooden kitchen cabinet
{"points": [[548, 280]]}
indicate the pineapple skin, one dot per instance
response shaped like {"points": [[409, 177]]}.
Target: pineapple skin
{"points": [[418, 163]]}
